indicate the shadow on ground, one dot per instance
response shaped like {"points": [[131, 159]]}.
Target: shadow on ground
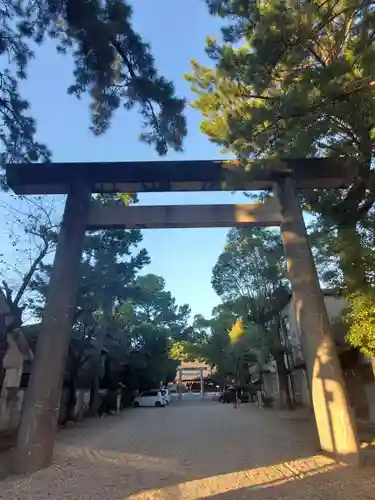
{"points": [[179, 452], [337, 484]]}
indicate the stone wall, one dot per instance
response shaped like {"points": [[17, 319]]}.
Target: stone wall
{"points": [[300, 388], [81, 408], [356, 390], [11, 401], [270, 384]]}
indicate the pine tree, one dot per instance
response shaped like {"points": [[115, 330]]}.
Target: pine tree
{"points": [[112, 64], [296, 79]]}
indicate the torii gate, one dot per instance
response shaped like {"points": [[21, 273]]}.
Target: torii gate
{"points": [[335, 424], [192, 370]]}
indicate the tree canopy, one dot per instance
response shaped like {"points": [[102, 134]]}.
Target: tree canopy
{"points": [[121, 314], [113, 66], [250, 278], [250, 272], [291, 78], [297, 79]]}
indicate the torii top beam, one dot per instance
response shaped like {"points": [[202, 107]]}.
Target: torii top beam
{"points": [[164, 176]]}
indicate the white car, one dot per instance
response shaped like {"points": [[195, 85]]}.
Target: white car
{"points": [[150, 398]]}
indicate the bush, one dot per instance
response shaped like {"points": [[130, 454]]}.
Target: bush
{"points": [[360, 321]]}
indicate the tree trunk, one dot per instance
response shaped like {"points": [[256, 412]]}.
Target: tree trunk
{"points": [[72, 394], [72, 399], [351, 258], [94, 392], [100, 334], [3, 347], [96, 367], [285, 399]]}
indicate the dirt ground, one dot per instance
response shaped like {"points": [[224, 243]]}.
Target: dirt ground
{"points": [[197, 450]]}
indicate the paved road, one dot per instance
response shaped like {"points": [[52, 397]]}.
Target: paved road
{"points": [[192, 451]]}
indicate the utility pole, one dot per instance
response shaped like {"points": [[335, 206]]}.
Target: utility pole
{"points": [[334, 420]]}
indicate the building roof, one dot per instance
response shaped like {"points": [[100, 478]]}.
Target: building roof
{"points": [[193, 365]]}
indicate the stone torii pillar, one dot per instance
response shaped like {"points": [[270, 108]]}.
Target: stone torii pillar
{"points": [[334, 420], [35, 439]]}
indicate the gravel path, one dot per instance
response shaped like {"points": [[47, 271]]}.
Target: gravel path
{"points": [[192, 451]]}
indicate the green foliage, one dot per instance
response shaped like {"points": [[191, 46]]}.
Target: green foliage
{"points": [[293, 79], [113, 66], [18, 130], [326, 252], [156, 324], [250, 277], [290, 78], [156, 305], [108, 268], [360, 322], [230, 357], [251, 273], [183, 350], [131, 318], [335, 250]]}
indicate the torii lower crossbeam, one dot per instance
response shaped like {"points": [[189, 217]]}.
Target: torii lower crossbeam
{"points": [[262, 214]]}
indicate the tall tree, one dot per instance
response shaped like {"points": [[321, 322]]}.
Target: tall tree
{"points": [[156, 325], [297, 79], [250, 276], [159, 325], [251, 266], [132, 317], [156, 305], [231, 357], [108, 270], [81, 349]]}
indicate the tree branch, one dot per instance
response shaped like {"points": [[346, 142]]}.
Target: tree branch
{"points": [[27, 278], [8, 292], [127, 63]]}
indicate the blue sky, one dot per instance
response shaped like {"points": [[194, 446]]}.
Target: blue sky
{"points": [[176, 31]]}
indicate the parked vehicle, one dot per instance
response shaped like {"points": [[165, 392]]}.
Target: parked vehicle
{"points": [[228, 395], [150, 398]]}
